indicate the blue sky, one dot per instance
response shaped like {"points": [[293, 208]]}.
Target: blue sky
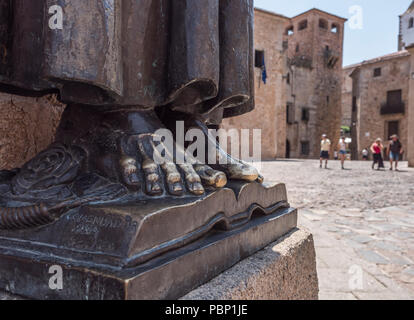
{"points": [[378, 35]]}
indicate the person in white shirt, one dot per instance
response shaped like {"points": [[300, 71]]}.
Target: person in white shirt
{"points": [[342, 151], [365, 154], [325, 150]]}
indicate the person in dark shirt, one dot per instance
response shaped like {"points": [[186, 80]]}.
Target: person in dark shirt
{"points": [[395, 151]]}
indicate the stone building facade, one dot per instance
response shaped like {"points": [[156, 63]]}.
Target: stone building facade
{"points": [[379, 101], [314, 42], [406, 40], [27, 126], [382, 100], [410, 111], [347, 83], [269, 114], [301, 99]]}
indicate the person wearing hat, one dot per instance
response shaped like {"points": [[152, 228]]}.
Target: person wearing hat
{"points": [[395, 151], [376, 148], [325, 150]]}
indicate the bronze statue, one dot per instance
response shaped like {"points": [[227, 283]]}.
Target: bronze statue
{"points": [[125, 69], [96, 203]]}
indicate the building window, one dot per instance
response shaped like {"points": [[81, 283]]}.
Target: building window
{"points": [[305, 148], [290, 31], [303, 25], [288, 78], [335, 28], [377, 72], [394, 97], [297, 47], [394, 103], [305, 114], [393, 128], [290, 114], [323, 24], [411, 23], [259, 58]]}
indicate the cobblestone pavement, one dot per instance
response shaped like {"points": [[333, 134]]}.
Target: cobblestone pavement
{"points": [[363, 225]]}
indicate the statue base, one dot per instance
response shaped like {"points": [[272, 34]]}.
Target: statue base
{"points": [[155, 249]]}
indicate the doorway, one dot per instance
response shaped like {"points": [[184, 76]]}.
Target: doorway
{"points": [[287, 149]]}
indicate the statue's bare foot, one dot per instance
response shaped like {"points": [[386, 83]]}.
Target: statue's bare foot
{"points": [[125, 148], [235, 169]]}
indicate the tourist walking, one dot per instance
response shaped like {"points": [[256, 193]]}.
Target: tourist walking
{"points": [[376, 148], [395, 150], [342, 151], [325, 150], [365, 154]]}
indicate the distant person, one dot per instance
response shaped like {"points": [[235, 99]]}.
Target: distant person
{"points": [[325, 150], [376, 149], [395, 151], [336, 155], [342, 151], [365, 154]]}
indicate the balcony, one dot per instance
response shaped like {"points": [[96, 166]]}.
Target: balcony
{"points": [[395, 108], [331, 57], [301, 61]]}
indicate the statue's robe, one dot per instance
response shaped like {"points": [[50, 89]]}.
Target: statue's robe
{"points": [[192, 55]]}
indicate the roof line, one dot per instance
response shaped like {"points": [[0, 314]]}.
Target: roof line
{"points": [[271, 13], [410, 9], [395, 55], [316, 9]]}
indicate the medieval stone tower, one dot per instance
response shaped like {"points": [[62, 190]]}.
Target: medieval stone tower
{"points": [[314, 41]]}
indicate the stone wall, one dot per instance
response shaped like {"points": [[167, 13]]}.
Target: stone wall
{"points": [[27, 126], [270, 112], [346, 112], [410, 113], [315, 67], [371, 93]]}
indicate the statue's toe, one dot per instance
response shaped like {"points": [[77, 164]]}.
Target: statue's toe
{"points": [[153, 184], [243, 171], [173, 179], [211, 177], [192, 180]]}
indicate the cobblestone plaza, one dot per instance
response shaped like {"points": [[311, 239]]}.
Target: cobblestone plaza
{"points": [[363, 224]]}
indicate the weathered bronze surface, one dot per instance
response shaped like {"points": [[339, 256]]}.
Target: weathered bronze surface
{"points": [[95, 202], [145, 250], [194, 55], [125, 69]]}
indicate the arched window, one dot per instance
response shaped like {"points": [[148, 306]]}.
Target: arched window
{"points": [[335, 28], [323, 24], [289, 31], [303, 25], [411, 23]]}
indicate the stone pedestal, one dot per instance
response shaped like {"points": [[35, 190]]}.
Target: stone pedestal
{"points": [[284, 270]]}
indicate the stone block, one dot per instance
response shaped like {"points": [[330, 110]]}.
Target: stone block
{"points": [[285, 270]]}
